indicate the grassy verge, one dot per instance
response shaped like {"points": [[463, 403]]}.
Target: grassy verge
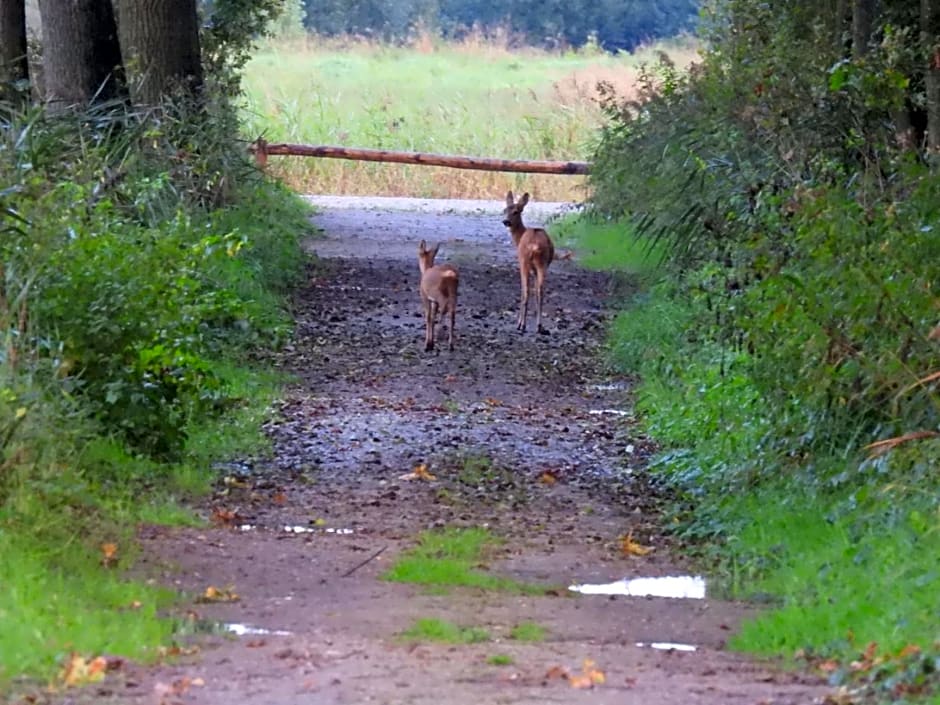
{"points": [[842, 548], [468, 98], [73, 487]]}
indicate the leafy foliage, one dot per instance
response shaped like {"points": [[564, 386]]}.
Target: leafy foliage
{"points": [[786, 180]]}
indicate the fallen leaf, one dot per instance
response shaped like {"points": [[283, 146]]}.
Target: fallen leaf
{"points": [[280, 498], [556, 673], [419, 473], [214, 594], [80, 671], [109, 556], [629, 547], [549, 477], [828, 666], [224, 517], [589, 677], [490, 401]]}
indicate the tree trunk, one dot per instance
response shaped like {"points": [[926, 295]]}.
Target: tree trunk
{"points": [[863, 25], [930, 36], [81, 54], [14, 62], [160, 40], [840, 23]]}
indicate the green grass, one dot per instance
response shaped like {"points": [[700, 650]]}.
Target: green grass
{"points": [[46, 613], [451, 557], [443, 631], [845, 578], [608, 246], [528, 631], [500, 660]]}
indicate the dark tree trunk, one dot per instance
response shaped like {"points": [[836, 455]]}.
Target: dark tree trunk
{"points": [[81, 54], [930, 36], [160, 40], [14, 63], [863, 25], [841, 22]]}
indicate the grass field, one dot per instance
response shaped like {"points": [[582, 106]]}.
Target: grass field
{"points": [[473, 98]]}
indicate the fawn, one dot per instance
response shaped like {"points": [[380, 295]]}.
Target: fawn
{"points": [[535, 251], [438, 292]]}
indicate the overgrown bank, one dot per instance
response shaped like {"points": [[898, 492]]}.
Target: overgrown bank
{"points": [[788, 348], [136, 281]]}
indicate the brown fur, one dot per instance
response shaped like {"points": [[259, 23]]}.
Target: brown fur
{"points": [[535, 251], [438, 291]]}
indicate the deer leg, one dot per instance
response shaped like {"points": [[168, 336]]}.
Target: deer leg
{"points": [[429, 316], [453, 317], [539, 294], [524, 302]]}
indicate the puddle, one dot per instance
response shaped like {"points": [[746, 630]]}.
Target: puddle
{"points": [[301, 530], [612, 412], [667, 646], [315, 530], [684, 586], [245, 630], [612, 387]]}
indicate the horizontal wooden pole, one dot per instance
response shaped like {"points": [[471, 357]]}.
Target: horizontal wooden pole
{"points": [[262, 150]]}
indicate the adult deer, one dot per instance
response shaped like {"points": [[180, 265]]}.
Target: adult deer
{"points": [[535, 251], [438, 292]]}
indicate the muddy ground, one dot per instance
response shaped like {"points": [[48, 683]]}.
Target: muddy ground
{"points": [[528, 435]]}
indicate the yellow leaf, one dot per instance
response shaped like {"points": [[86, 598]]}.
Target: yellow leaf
{"points": [[629, 547], [589, 677], [419, 473], [109, 555], [21, 412], [319, 522], [80, 671], [214, 594]]}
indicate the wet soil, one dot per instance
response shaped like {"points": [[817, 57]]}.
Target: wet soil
{"points": [[529, 435]]}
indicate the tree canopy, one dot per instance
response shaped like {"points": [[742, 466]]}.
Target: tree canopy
{"points": [[614, 24]]}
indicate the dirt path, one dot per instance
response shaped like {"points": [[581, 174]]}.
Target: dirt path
{"points": [[525, 435]]}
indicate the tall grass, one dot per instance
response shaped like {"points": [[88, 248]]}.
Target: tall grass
{"points": [[472, 98]]}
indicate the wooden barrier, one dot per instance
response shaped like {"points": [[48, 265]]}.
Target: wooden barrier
{"points": [[262, 150]]}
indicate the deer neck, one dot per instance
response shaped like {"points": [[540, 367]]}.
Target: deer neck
{"points": [[516, 231]]}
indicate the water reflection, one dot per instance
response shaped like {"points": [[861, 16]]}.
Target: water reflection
{"points": [[245, 630], [681, 586]]}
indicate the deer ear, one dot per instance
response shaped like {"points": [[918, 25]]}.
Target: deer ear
{"points": [[422, 247], [524, 200], [509, 199]]}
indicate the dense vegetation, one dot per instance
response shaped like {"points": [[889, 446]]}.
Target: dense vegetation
{"points": [[790, 354], [613, 24], [143, 260]]}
